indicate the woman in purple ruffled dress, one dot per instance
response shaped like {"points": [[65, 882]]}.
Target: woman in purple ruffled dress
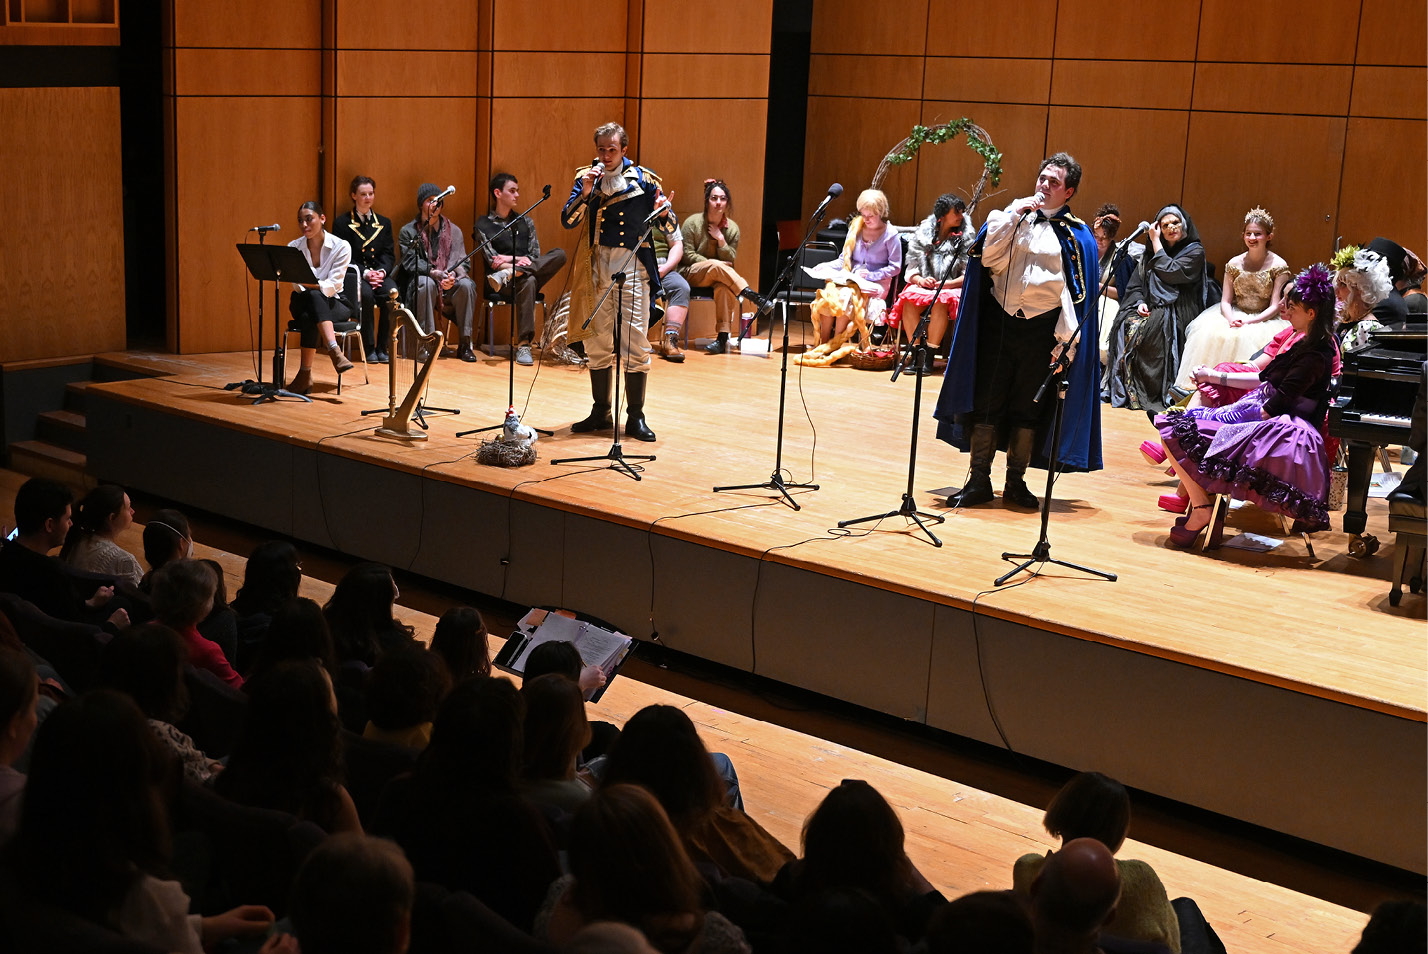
{"points": [[1267, 447]]}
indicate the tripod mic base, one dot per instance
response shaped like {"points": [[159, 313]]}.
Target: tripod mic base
{"points": [[909, 510], [776, 482], [1043, 555], [619, 461]]}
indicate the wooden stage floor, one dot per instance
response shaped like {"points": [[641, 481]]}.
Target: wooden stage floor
{"points": [[1317, 627]]}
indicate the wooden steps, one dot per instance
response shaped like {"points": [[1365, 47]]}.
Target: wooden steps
{"points": [[43, 459]]}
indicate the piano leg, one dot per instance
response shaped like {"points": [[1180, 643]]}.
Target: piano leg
{"points": [[1361, 458]]}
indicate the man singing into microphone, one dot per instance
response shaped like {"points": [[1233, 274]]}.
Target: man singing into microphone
{"points": [[1030, 282], [615, 197], [431, 245]]}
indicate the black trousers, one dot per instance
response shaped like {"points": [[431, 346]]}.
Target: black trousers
{"points": [[308, 306], [376, 334], [1013, 357], [523, 286]]}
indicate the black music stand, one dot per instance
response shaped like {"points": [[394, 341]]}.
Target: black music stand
{"points": [[276, 264]]}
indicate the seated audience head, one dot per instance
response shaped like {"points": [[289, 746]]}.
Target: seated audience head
{"points": [[167, 537], [271, 578], [220, 586], [556, 730], [360, 612], [93, 819], [951, 207], [103, 512], [557, 656], [608, 937], [1361, 281], [1091, 805], [353, 895], [982, 921], [855, 839], [405, 688], [363, 192], [660, 749], [1396, 927], [1259, 228], [146, 663], [718, 200], [461, 642], [42, 512], [842, 921], [288, 755], [477, 740], [629, 866], [504, 191], [183, 593], [298, 631], [19, 691], [1074, 895]]}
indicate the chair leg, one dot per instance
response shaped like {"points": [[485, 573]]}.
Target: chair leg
{"points": [[1400, 566], [361, 354]]}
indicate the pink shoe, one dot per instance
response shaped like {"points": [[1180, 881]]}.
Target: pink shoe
{"points": [[1174, 503], [1153, 452]]}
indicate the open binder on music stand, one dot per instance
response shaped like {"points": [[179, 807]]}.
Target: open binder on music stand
{"points": [[599, 647]]}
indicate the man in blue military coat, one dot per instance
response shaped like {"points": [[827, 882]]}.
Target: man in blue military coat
{"points": [[614, 197]]}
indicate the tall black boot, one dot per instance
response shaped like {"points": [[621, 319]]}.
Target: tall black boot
{"points": [[1015, 491], [979, 483], [599, 419], [635, 426]]}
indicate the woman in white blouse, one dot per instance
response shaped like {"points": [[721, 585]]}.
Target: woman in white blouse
{"points": [[315, 307]]}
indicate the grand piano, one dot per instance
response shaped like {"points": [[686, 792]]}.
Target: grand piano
{"points": [[1371, 410]]}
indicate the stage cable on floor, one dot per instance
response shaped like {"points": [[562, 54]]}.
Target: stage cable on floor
{"points": [[981, 666], [510, 517]]}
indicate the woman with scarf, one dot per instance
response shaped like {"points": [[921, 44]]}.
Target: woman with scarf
{"points": [[1164, 294], [1267, 447]]}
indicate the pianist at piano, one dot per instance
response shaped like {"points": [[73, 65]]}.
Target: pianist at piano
{"points": [[1267, 447]]}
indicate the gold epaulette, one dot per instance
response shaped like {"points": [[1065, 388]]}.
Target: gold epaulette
{"points": [[1071, 218], [650, 174]]}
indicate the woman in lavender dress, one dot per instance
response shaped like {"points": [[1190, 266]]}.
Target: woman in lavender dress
{"points": [[872, 256], [1267, 447]]}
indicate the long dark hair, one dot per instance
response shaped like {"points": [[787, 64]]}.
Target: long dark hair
{"points": [[360, 610], [709, 187], [92, 820], [289, 754], [298, 630], [476, 740], [461, 642], [629, 866], [556, 729], [1322, 309], [164, 535], [146, 662], [91, 514], [854, 839], [660, 749], [270, 579]]}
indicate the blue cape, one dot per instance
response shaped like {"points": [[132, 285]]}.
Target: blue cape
{"points": [[1081, 427]]}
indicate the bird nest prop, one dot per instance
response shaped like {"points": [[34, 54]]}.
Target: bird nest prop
{"points": [[505, 453]]}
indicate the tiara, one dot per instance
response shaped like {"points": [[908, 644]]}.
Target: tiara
{"points": [[1260, 214]]}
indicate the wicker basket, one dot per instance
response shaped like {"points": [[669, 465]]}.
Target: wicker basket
{"points": [[877, 360]]}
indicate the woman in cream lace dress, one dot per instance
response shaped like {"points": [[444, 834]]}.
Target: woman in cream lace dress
{"points": [[1247, 316]]}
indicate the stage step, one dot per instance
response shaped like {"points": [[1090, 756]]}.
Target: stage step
{"points": [[64, 429], [76, 396], [43, 459]]}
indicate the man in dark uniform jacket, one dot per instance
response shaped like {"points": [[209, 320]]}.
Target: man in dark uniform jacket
{"points": [[613, 198], [373, 252]]}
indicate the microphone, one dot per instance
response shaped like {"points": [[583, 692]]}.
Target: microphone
{"points": [[1040, 201], [449, 190], [265, 229], [1140, 230], [661, 208], [761, 304], [834, 191], [545, 193]]}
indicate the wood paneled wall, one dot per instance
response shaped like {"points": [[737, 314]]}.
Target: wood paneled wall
{"points": [[62, 256], [1314, 109], [412, 91]]}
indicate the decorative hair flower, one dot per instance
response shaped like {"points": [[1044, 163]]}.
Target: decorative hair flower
{"points": [[1315, 285], [1364, 272]]}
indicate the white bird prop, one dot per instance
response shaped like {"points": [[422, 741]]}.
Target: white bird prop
{"points": [[514, 430]]}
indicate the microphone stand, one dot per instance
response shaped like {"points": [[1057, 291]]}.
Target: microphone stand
{"points": [[619, 460], [916, 354], [1041, 553], [785, 280], [511, 345]]}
